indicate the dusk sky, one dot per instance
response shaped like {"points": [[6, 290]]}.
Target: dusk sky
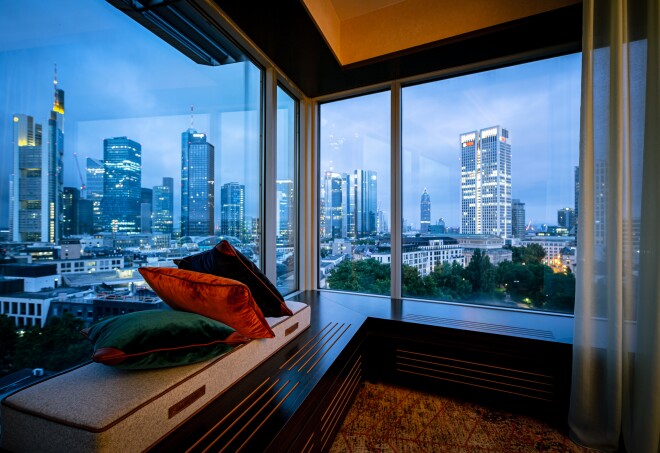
{"points": [[121, 80]]}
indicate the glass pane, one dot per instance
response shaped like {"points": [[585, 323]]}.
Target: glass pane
{"points": [[490, 186], [354, 194], [287, 193], [148, 158]]}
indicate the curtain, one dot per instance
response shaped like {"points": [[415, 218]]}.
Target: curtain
{"points": [[615, 393]]}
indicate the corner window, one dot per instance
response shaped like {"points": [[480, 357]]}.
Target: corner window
{"points": [[354, 194], [490, 186]]}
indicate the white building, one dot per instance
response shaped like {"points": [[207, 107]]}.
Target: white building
{"points": [[424, 254]]}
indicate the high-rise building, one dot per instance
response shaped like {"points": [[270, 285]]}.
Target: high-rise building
{"points": [[29, 210], [365, 185], [566, 218], [85, 216], [122, 181], [70, 203], [336, 213], [486, 182], [162, 207], [232, 205], [55, 159], [577, 198], [197, 184], [517, 218], [425, 212], [94, 184], [146, 198], [286, 214]]}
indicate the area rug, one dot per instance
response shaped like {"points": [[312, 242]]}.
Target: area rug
{"points": [[387, 418]]}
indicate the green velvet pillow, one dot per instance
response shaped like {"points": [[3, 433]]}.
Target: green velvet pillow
{"points": [[159, 338]]}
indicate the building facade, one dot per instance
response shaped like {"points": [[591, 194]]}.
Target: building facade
{"points": [[518, 226], [55, 164], [232, 205], [94, 184], [425, 212], [197, 184], [122, 181], [486, 182], [162, 207]]}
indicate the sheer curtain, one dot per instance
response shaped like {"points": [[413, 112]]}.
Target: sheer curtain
{"points": [[616, 354]]}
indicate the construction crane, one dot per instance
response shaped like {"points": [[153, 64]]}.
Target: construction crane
{"points": [[83, 187]]}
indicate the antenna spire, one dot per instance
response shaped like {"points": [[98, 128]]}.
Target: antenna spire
{"points": [[192, 117]]}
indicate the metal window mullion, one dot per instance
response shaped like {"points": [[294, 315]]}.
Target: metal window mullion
{"points": [[395, 192], [269, 193], [308, 233]]}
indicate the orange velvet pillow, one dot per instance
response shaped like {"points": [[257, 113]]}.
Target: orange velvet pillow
{"points": [[225, 300]]}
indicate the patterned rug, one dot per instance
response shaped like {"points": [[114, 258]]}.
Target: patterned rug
{"points": [[387, 418]]}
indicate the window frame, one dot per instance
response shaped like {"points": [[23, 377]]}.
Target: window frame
{"points": [[396, 145]]}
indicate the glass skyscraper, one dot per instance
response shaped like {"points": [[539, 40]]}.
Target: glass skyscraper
{"points": [[517, 218], [365, 185], [486, 182], [197, 184], [232, 201], [94, 184], [425, 212], [29, 211], [162, 206], [122, 181], [55, 159]]}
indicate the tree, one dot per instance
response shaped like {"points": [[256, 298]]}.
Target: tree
{"points": [[8, 337], [57, 346], [560, 290], [414, 284], [481, 274], [450, 282], [364, 276]]}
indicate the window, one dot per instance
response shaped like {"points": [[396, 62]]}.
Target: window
{"points": [[354, 194], [159, 156], [287, 192], [489, 186]]}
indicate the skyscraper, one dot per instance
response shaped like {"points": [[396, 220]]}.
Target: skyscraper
{"points": [[197, 184], [29, 210], [55, 159], [336, 213], [566, 218], [486, 182], [162, 207], [425, 212], [122, 181], [94, 186], [285, 210], [232, 205], [146, 198], [517, 218], [365, 185], [70, 202]]}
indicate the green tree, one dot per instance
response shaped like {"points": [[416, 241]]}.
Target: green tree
{"points": [[528, 254], [560, 291], [364, 276], [8, 337], [481, 274], [414, 284], [450, 282], [57, 346]]}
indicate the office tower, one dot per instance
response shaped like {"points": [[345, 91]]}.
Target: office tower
{"points": [[286, 215], [55, 159], [94, 184], [566, 218], [486, 182], [122, 181], [336, 213], [439, 227], [70, 203], [162, 207], [517, 218], [197, 184], [146, 198], [85, 216], [425, 212], [29, 210], [232, 202], [366, 202]]}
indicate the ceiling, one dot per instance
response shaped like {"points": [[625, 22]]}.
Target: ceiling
{"points": [[326, 46]]}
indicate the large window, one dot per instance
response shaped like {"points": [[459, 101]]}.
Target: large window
{"points": [[126, 152], [287, 192], [490, 186], [354, 194]]}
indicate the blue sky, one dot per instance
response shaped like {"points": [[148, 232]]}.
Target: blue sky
{"points": [[121, 80]]}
